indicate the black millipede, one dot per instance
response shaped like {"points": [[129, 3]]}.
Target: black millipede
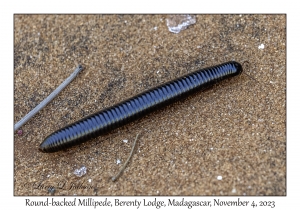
{"points": [[137, 106]]}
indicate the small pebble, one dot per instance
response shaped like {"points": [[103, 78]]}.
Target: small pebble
{"points": [[80, 172], [20, 132], [51, 190], [262, 46]]}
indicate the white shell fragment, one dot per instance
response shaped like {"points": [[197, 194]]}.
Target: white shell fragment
{"points": [[80, 172], [262, 46], [177, 23]]}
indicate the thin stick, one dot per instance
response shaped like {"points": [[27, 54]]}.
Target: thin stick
{"points": [[48, 99], [127, 161], [246, 64], [251, 77]]}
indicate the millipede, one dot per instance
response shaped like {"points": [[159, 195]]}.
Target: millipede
{"points": [[137, 106]]}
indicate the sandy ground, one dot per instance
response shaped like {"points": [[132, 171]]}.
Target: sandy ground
{"points": [[228, 140]]}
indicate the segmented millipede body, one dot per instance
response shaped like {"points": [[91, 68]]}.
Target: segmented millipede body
{"points": [[137, 106]]}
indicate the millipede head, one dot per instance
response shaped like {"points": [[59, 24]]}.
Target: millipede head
{"points": [[238, 66]]}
